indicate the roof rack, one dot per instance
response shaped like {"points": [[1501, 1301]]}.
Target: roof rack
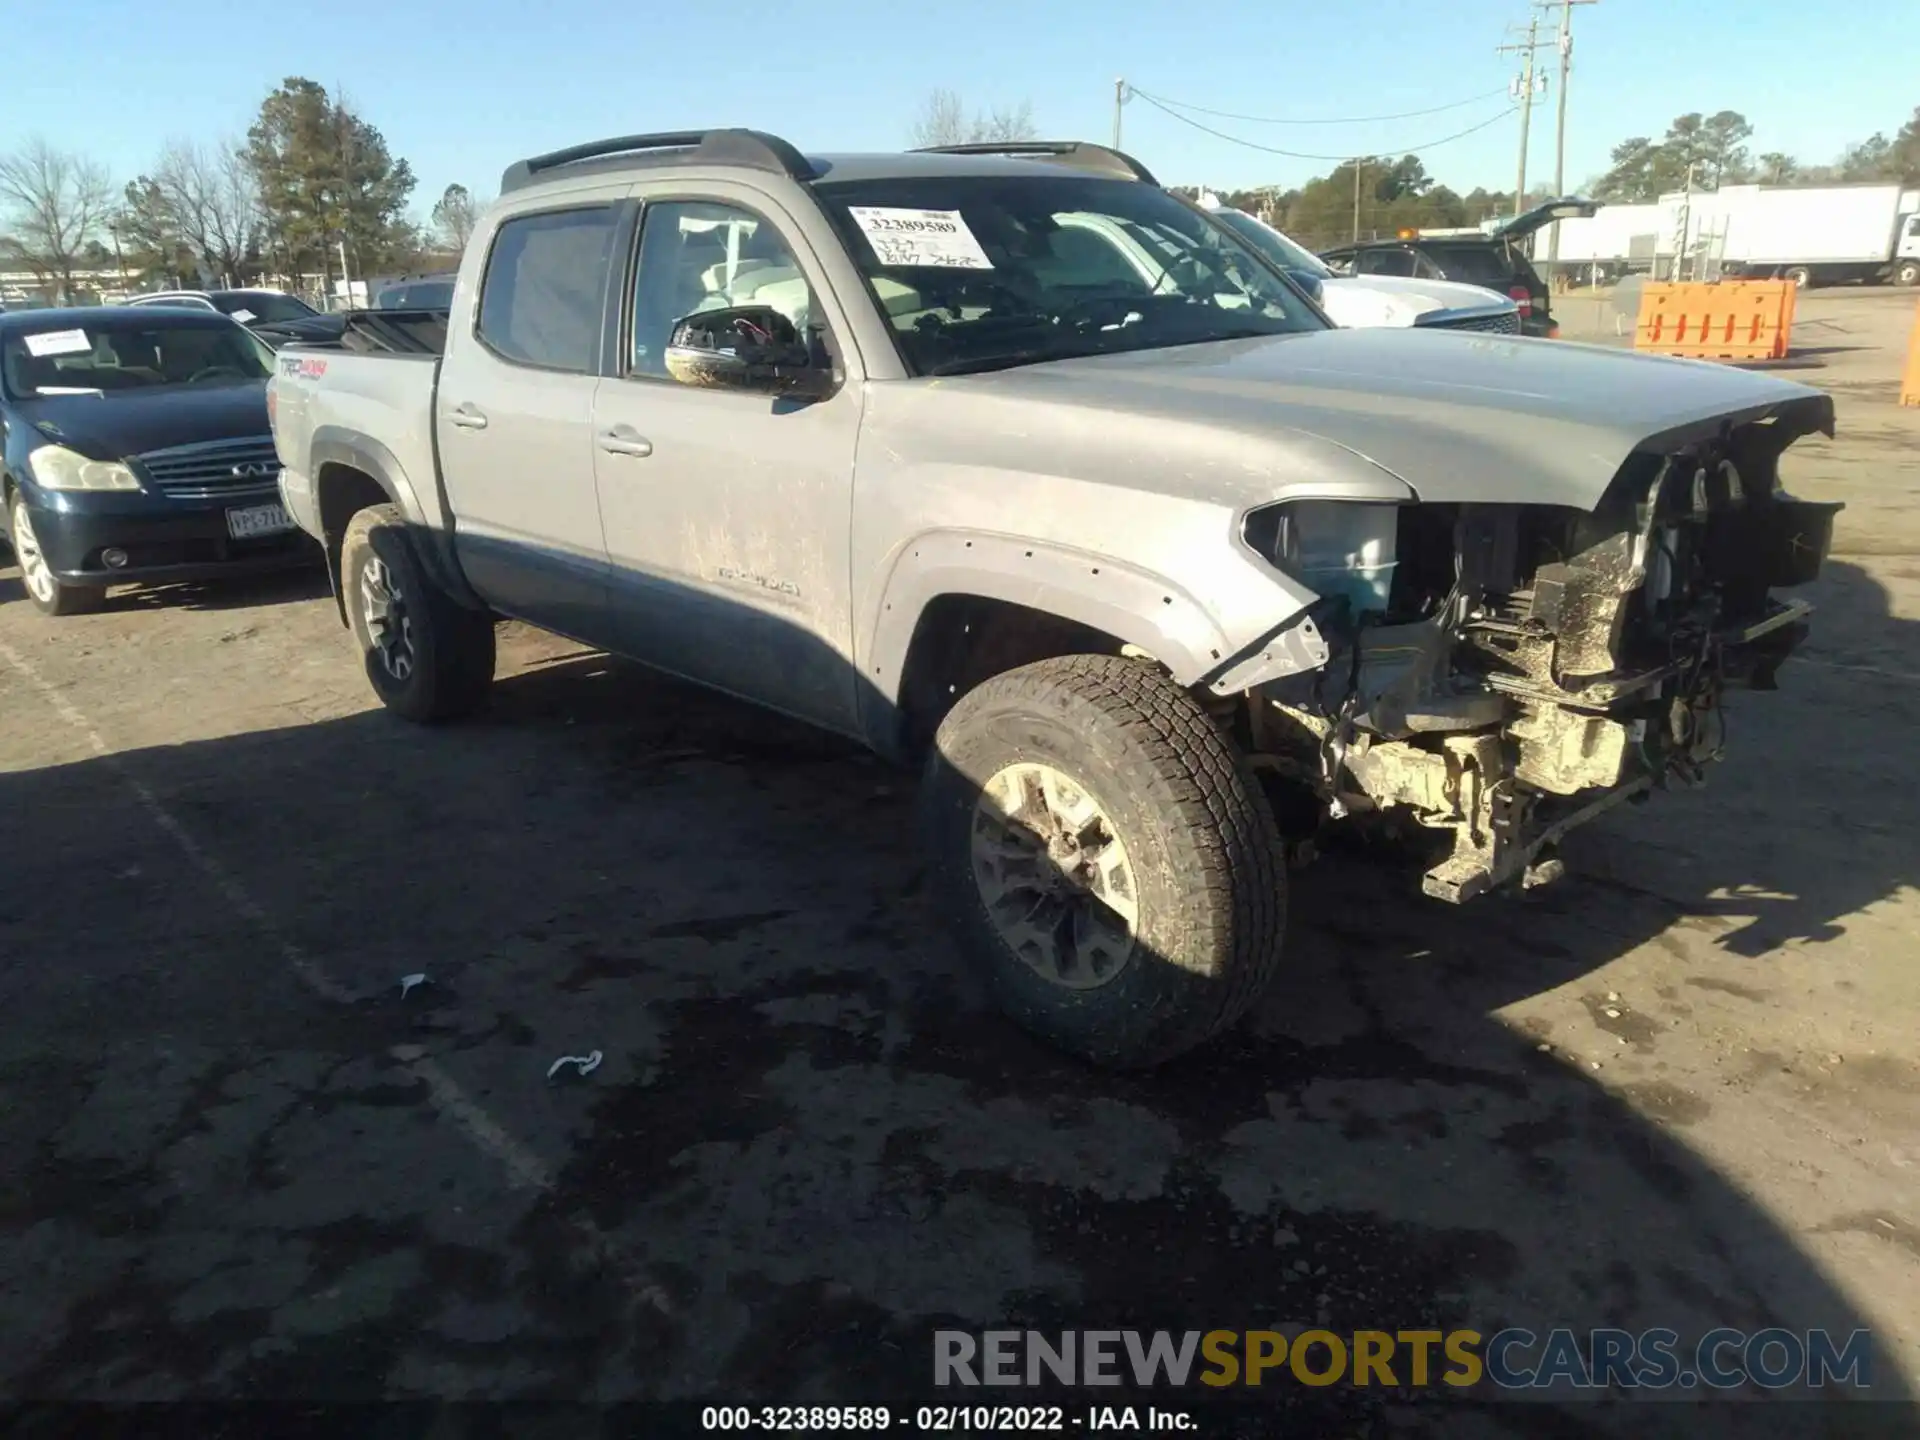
{"points": [[1077, 153], [752, 148]]}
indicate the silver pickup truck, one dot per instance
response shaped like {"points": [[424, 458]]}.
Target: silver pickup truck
{"points": [[1153, 572]]}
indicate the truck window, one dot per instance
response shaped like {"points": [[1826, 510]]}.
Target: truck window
{"points": [[1094, 252], [541, 297], [982, 272], [1384, 262], [699, 255]]}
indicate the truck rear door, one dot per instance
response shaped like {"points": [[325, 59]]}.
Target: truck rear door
{"points": [[514, 413]]}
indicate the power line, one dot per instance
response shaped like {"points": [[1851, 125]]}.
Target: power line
{"points": [[1163, 101], [1303, 155]]}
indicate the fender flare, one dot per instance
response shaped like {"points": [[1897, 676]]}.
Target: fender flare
{"points": [[432, 540], [1136, 606]]}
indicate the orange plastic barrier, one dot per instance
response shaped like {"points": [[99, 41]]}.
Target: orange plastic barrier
{"points": [[1727, 320], [1910, 382]]}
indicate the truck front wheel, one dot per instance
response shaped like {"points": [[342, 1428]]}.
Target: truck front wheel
{"points": [[1801, 276], [1907, 272], [429, 659], [1110, 862]]}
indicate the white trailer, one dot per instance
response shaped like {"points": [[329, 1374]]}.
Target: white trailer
{"points": [[1813, 235], [1611, 242]]}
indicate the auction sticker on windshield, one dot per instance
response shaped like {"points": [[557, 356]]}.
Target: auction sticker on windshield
{"points": [[57, 342], [920, 237]]}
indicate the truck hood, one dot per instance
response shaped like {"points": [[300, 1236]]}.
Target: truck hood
{"points": [[1400, 300], [1454, 417], [132, 422]]}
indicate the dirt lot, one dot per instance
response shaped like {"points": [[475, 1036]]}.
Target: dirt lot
{"points": [[1679, 1089]]}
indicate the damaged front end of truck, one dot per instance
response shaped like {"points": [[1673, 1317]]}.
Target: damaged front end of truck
{"points": [[1498, 673]]}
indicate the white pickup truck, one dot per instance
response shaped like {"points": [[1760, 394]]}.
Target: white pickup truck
{"points": [[1146, 569]]}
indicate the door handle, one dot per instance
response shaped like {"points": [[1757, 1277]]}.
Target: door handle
{"points": [[625, 440], [467, 418]]}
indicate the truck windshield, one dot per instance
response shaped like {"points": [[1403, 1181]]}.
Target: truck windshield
{"points": [[103, 357], [1285, 253], [984, 272]]}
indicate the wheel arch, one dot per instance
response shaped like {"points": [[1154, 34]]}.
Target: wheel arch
{"points": [[959, 607], [352, 472]]}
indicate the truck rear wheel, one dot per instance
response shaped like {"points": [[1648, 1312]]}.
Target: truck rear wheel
{"points": [[1800, 276], [1112, 865], [428, 658]]}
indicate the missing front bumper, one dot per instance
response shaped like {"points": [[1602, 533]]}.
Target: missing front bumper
{"points": [[1492, 858]]}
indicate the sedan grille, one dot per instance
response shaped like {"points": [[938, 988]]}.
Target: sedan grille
{"points": [[1503, 324], [215, 469]]}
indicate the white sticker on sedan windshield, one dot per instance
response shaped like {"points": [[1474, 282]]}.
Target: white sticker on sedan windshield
{"points": [[58, 342], [920, 237], [243, 316]]}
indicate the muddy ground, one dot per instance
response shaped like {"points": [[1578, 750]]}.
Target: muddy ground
{"points": [[1679, 1089]]}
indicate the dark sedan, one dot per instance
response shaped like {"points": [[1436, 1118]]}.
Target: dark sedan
{"points": [[137, 449]]}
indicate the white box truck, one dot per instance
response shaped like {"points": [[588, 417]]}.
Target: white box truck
{"points": [[1816, 235]]}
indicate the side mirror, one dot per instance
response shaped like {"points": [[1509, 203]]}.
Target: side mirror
{"points": [[750, 348]]}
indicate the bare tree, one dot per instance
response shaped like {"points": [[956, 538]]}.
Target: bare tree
{"points": [[1006, 122], [454, 216], [943, 120], [211, 197], [54, 203]]}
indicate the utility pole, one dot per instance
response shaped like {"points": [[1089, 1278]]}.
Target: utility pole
{"points": [[1358, 162], [1681, 242], [1565, 44], [344, 139], [1119, 99], [1525, 49]]}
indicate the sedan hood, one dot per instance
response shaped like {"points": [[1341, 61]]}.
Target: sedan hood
{"points": [[132, 422], [1401, 300], [1455, 417]]}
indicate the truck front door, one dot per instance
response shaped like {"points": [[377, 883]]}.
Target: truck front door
{"points": [[514, 415], [728, 515]]}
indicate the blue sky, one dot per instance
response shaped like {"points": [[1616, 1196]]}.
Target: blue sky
{"points": [[463, 87]]}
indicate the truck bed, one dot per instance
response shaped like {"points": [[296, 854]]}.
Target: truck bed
{"points": [[328, 400], [378, 332]]}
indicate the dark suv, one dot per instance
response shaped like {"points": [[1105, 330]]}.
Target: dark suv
{"points": [[1493, 258]]}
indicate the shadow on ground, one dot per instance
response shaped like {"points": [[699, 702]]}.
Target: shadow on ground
{"points": [[281, 587], [812, 1141]]}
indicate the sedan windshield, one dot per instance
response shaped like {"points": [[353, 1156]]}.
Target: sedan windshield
{"points": [[102, 357], [420, 295], [262, 305], [985, 272], [1285, 253]]}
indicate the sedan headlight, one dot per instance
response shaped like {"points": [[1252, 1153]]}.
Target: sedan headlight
{"points": [[57, 468]]}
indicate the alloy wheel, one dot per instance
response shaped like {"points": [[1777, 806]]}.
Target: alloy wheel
{"points": [[1054, 876]]}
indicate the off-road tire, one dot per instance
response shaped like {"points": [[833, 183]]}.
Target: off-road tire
{"points": [[452, 646], [1206, 854]]}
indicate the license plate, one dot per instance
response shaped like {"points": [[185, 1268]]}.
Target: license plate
{"points": [[256, 520]]}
